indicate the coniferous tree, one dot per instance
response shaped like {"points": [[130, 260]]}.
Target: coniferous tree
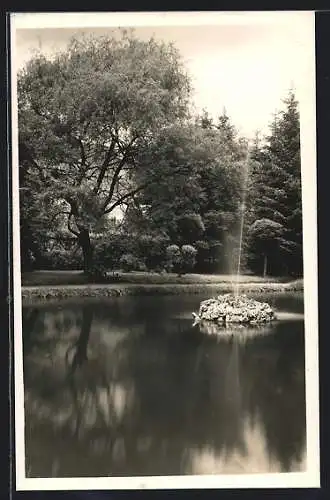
{"points": [[276, 189]]}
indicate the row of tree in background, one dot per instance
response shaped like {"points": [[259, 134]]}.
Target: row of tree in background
{"points": [[115, 172]]}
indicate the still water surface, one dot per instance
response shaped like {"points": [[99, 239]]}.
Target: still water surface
{"points": [[128, 387]]}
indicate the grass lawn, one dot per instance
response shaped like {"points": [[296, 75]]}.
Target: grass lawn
{"points": [[57, 278]]}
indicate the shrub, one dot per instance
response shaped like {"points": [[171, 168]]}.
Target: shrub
{"points": [[202, 256], [151, 249], [128, 262], [109, 250], [65, 259], [173, 258], [140, 265], [97, 272], [181, 260], [188, 258]]}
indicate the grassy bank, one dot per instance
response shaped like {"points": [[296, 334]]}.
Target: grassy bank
{"points": [[55, 278], [37, 293]]}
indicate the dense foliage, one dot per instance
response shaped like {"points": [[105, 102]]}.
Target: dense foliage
{"points": [[115, 173], [201, 206], [89, 120], [276, 205]]}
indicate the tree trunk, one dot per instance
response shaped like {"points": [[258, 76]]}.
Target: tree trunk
{"points": [[82, 343], [87, 249], [265, 266]]}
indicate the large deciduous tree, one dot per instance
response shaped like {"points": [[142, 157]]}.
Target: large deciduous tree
{"points": [[200, 206], [89, 122]]}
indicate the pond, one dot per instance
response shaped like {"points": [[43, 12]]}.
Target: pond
{"points": [[128, 387]]}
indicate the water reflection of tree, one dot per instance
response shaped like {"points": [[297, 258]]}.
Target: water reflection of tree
{"points": [[81, 344], [29, 319], [79, 406], [136, 409]]}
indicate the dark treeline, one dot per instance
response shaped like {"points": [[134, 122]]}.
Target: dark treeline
{"points": [[116, 173]]}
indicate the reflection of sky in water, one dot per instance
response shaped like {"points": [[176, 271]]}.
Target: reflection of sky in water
{"points": [[149, 394], [255, 458]]}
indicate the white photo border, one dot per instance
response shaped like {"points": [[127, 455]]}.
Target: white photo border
{"points": [[307, 99]]}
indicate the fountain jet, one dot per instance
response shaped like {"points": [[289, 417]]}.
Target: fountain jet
{"points": [[234, 309], [242, 208]]}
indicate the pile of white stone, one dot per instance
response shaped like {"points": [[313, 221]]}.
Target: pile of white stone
{"points": [[239, 309]]}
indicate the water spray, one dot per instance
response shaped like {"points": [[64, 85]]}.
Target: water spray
{"points": [[243, 207]]}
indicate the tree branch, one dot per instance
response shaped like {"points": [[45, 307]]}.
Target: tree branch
{"points": [[105, 165], [113, 183], [73, 213], [131, 193], [82, 151], [127, 195], [117, 172]]}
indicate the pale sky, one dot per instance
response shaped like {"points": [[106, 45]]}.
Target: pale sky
{"points": [[245, 67]]}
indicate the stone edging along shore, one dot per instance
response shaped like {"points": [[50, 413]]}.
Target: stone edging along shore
{"points": [[35, 293]]}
